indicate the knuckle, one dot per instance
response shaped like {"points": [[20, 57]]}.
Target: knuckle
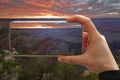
{"points": [[77, 17], [85, 19], [103, 37], [88, 20]]}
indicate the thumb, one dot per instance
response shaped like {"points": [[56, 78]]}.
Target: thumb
{"points": [[78, 59]]}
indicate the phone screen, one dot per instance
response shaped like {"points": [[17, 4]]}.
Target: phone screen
{"points": [[44, 38]]}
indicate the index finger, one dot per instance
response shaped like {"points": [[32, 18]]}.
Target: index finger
{"points": [[86, 23]]}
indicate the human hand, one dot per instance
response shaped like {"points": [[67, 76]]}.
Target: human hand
{"points": [[98, 57]]}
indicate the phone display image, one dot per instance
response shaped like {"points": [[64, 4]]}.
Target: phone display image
{"points": [[44, 38]]}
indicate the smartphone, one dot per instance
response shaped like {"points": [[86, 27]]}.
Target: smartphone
{"points": [[44, 38]]}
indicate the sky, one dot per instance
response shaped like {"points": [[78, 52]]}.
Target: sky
{"points": [[59, 8]]}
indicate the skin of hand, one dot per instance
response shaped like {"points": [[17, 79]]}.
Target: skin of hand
{"points": [[97, 57]]}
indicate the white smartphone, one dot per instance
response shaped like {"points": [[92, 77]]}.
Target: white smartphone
{"points": [[44, 38]]}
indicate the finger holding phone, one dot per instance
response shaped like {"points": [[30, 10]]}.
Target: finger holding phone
{"points": [[98, 56]]}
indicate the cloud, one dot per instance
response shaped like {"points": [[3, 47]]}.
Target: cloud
{"points": [[5, 1], [32, 8], [41, 3]]}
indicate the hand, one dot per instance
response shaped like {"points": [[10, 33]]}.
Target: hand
{"points": [[98, 57]]}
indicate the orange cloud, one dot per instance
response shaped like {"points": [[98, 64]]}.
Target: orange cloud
{"points": [[37, 8], [4, 1], [41, 3]]}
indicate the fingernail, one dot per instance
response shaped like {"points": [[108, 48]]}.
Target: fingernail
{"points": [[68, 19]]}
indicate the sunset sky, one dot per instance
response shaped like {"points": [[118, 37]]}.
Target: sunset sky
{"points": [[48, 8]]}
